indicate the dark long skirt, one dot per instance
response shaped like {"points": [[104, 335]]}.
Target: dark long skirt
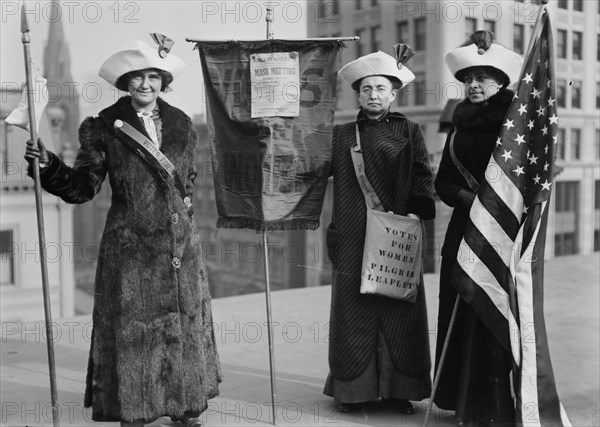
{"points": [[475, 379]]}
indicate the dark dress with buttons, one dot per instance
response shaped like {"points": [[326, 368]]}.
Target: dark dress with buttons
{"points": [[153, 350], [475, 375]]}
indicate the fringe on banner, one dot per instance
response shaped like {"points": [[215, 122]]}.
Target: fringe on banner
{"points": [[259, 46], [258, 225]]}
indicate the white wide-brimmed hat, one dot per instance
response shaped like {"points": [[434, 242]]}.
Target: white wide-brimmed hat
{"points": [[377, 64], [139, 56], [484, 53]]}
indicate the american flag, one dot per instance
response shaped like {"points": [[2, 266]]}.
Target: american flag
{"points": [[502, 278]]}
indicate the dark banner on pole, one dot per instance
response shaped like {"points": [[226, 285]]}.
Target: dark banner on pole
{"points": [[270, 108]]}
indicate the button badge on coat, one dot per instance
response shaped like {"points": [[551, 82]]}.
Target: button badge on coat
{"points": [[174, 217], [176, 262]]}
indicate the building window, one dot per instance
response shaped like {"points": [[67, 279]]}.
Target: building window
{"points": [[597, 95], [578, 5], [375, 38], [359, 42], [561, 44], [519, 38], [489, 26], [4, 149], [402, 96], [577, 45], [374, 2], [358, 4], [598, 45], [419, 41], [560, 144], [597, 216], [566, 218], [562, 4], [328, 8], [7, 258], [470, 27], [419, 85], [402, 32], [576, 94], [575, 144], [561, 93]]}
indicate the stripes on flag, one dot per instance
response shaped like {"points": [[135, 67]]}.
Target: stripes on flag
{"points": [[502, 276]]}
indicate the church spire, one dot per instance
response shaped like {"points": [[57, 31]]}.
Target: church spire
{"points": [[63, 105]]}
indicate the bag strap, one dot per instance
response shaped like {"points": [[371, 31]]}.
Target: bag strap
{"points": [[371, 198], [471, 181], [141, 145]]}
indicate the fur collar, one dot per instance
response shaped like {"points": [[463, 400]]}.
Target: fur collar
{"points": [[486, 115], [123, 110]]}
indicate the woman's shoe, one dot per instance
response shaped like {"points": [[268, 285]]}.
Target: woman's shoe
{"points": [[134, 424], [347, 407], [402, 406], [188, 422]]}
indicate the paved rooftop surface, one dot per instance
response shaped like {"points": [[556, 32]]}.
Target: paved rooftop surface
{"points": [[300, 319]]}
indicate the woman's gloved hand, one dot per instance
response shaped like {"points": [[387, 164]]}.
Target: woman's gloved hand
{"points": [[37, 150], [465, 198]]}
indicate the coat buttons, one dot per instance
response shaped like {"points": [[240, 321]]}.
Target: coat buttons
{"points": [[176, 262], [175, 218], [187, 201]]}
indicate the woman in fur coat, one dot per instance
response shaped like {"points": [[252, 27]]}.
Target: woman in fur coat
{"points": [[474, 380], [153, 349]]}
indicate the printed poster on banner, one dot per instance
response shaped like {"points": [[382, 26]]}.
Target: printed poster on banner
{"points": [[275, 84]]}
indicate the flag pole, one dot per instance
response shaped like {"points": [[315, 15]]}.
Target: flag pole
{"points": [[265, 242], [438, 373], [456, 303], [40, 214]]}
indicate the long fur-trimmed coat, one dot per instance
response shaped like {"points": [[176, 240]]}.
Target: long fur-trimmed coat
{"points": [[389, 147], [474, 378], [153, 350]]}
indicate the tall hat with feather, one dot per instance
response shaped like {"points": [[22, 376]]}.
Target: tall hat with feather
{"points": [[380, 64], [483, 52], [140, 56]]}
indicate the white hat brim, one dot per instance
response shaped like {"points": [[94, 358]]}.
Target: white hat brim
{"points": [[375, 64], [138, 56]]}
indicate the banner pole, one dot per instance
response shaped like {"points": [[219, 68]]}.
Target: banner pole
{"points": [[40, 215], [265, 243]]}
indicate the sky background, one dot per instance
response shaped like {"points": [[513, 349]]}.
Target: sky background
{"points": [[96, 29]]}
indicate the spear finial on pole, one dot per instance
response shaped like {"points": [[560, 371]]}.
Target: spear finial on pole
{"points": [[39, 213], [269, 19]]}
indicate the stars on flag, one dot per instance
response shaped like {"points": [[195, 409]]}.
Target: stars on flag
{"points": [[546, 185], [509, 124], [541, 111], [519, 171], [520, 139], [525, 149], [507, 155]]}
